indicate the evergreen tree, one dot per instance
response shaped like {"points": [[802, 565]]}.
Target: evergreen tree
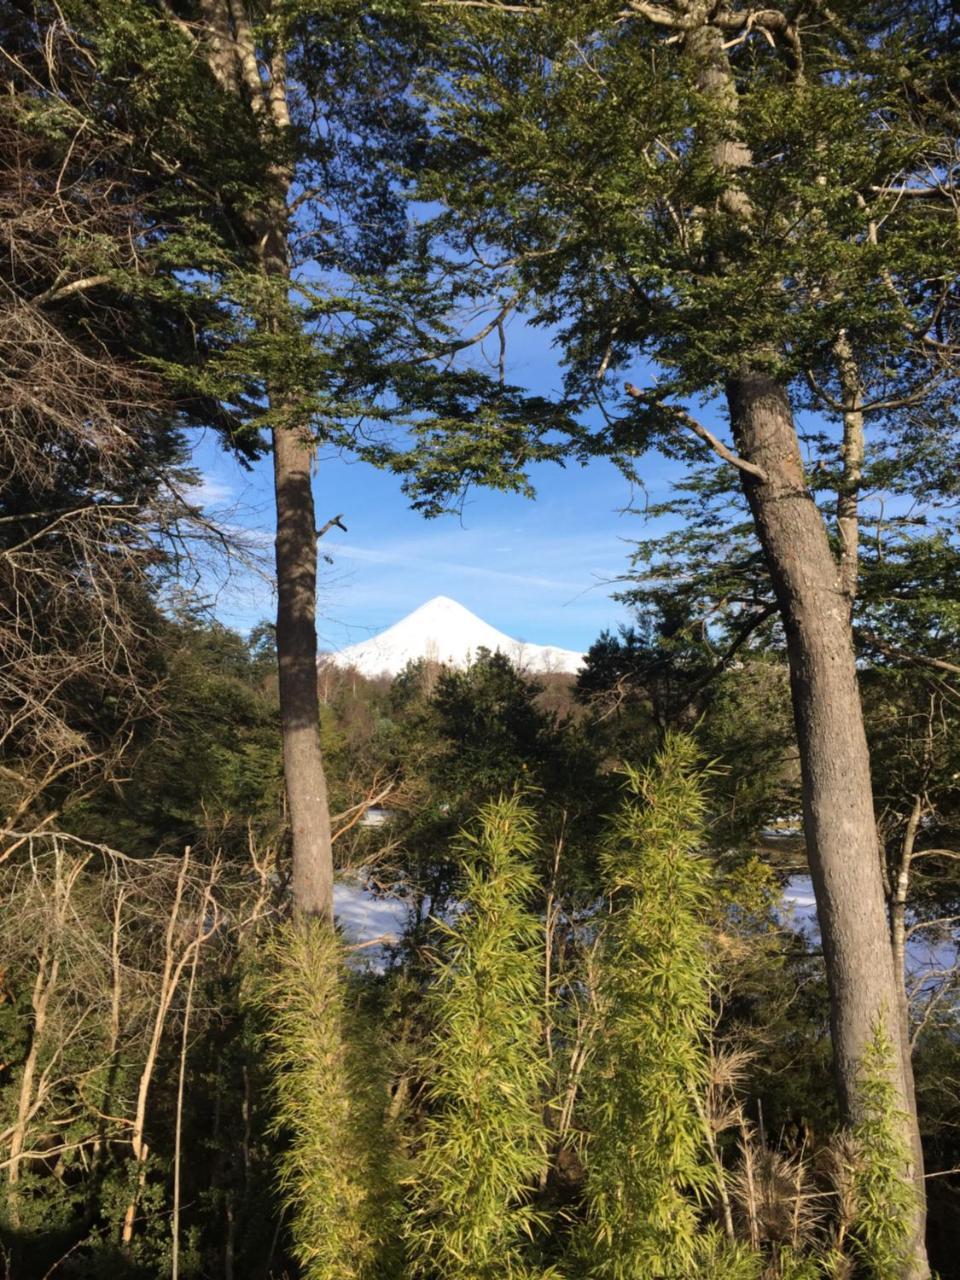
{"points": [[721, 190], [269, 141]]}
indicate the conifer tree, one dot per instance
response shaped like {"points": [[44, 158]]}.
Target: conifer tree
{"points": [[743, 196], [269, 141]]}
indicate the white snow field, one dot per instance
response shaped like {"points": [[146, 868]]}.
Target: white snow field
{"points": [[444, 631]]}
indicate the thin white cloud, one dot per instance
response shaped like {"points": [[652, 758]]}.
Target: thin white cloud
{"points": [[212, 491], [371, 556]]}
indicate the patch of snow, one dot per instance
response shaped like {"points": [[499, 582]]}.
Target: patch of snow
{"points": [[363, 917], [375, 816], [783, 832], [444, 631], [925, 955]]}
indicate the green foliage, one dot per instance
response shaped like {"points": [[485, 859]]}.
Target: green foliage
{"points": [[798, 1266], [722, 1259], [457, 739], [885, 1196], [216, 708], [335, 1163], [620, 234], [644, 1139], [484, 1143], [671, 671]]}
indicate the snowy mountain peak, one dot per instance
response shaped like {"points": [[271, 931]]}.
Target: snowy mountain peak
{"points": [[441, 607], [443, 630]]}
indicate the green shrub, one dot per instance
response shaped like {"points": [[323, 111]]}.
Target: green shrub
{"points": [[646, 1170], [484, 1144]]}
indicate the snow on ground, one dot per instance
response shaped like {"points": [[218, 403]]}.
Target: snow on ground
{"points": [[444, 631], [799, 902], [363, 917], [924, 955]]}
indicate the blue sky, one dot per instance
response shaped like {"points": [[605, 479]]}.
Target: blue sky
{"points": [[543, 571]]}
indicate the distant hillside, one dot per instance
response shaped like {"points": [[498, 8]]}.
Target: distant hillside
{"points": [[444, 631]]}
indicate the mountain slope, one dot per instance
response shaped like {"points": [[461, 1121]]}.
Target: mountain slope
{"points": [[444, 631]]}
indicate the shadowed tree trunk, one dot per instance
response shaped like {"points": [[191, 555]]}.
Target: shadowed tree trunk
{"points": [[296, 550], [839, 821]]}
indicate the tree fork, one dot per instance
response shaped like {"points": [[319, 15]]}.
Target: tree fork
{"points": [[839, 821]]}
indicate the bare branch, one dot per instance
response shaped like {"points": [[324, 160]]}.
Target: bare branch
{"points": [[461, 344], [65, 290], [893, 651], [335, 522]]}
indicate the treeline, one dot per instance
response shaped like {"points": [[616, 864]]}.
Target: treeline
{"points": [[303, 224], [597, 1045]]}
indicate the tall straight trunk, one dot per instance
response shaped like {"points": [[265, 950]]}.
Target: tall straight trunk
{"points": [[296, 558], [245, 72], [839, 822], [815, 597], [296, 551]]}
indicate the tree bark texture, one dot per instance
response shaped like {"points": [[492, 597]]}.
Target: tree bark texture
{"points": [[839, 822], [233, 59], [296, 558], [815, 596], [296, 551]]}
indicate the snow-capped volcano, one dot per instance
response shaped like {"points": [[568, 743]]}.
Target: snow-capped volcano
{"points": [[446, 632]]}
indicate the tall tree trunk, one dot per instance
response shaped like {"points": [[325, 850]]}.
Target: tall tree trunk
{"points": [[245, 72], [815, 597], [296, 548], [839, 822], [296, 558]]}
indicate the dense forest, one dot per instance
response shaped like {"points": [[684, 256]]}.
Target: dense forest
{"points": [[600, 1045]]}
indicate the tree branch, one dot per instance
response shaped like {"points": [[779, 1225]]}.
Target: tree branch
{"points": [[335, 522], [918, 659], [485, 4], [939, 923], [698, 429], [451, 348], [64, 290]]}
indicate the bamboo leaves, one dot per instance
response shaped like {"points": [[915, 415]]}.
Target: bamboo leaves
{"points": [[484, 1144], [645, 1154], [335, 1168]]}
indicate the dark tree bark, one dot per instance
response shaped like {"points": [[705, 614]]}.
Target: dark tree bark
{"points": [[296, 559], [839, 821]]}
